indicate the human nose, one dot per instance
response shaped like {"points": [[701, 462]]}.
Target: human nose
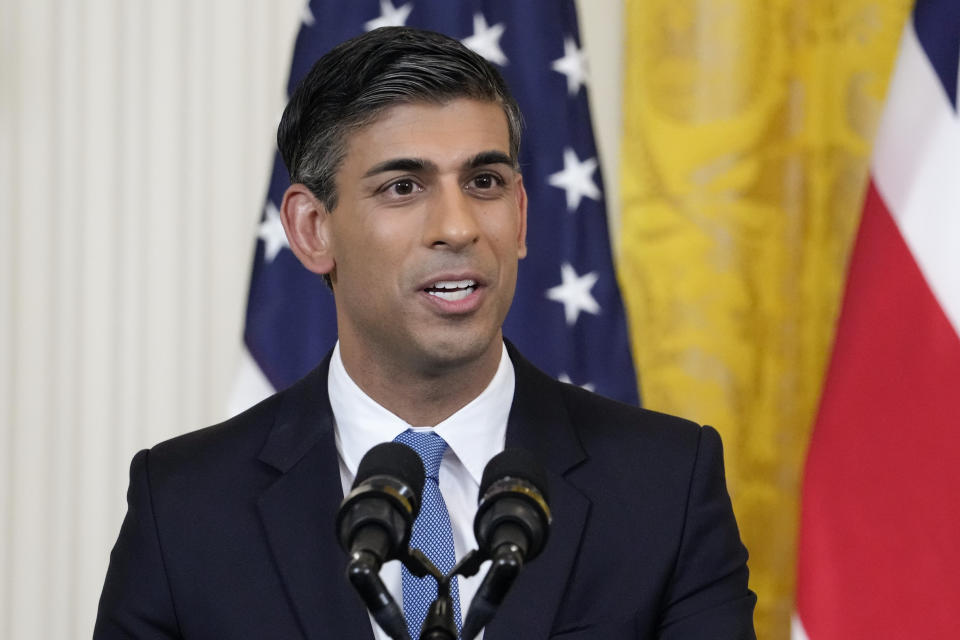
{"points": [[451, 221]]}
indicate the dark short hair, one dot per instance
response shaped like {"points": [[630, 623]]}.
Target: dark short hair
{"points": [[356, 81]]}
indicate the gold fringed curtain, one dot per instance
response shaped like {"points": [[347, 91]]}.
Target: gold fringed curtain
{"points": [[747, 130]]}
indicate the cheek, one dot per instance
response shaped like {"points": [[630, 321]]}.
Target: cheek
{"points": [[375, 261], [504, 232], [365, 240]]}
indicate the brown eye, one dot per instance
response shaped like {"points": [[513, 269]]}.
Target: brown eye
{"points": [[483, 182], [404, 187], [486, 181]]}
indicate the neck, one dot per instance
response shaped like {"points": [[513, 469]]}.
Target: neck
{"points": [[425, 395]]}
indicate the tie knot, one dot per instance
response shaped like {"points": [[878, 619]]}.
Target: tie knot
{"points": [[428, 445]]}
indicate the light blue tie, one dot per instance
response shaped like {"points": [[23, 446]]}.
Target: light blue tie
{"points": [[432, 534]]}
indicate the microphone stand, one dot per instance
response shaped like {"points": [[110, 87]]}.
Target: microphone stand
{"points": [[440, 623], [363, 572]]}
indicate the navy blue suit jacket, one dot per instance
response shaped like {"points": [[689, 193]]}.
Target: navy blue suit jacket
{"points": [[229, 530]]}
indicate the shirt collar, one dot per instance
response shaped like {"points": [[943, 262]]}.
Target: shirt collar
{"points": [[475, 433]]}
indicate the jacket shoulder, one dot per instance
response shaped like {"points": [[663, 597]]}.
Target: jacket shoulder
{"points": [[600, 421], [240, 437]]}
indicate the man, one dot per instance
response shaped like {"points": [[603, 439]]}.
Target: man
{"points": [[402, 147]]}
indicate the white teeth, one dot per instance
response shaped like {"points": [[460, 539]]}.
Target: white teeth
{"points": [[452, 296], [452, 290], [453, 284]]}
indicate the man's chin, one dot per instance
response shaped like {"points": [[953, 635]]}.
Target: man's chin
{"points": [[441, 355]]}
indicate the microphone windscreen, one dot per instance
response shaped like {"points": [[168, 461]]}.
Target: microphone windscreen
{"points": [[515, 463], [395, 460]]}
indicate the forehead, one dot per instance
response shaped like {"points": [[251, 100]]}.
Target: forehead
{"points": [[443, 133]]}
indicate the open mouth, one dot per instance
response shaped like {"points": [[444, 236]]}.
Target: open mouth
{"points": [[452, 290]]}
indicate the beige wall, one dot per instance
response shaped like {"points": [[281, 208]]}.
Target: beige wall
{"points": [[135, 144]]}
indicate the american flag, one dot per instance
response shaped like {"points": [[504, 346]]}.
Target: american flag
{"points": [[567, 316]]}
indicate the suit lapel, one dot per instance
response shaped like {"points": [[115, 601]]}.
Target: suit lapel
{"points": [[298, 513], [539, 423], [298, 510]]}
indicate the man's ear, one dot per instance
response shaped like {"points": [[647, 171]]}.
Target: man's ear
{"points": [[522, 209], [307, 224]]}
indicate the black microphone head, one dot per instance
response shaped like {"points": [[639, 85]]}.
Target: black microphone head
{"points": [[378, 513], [513, 504], [395, 460], [515, 463], [511, 526]]}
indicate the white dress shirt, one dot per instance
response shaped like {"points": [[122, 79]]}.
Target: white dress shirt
{"points": [[475, 433]]}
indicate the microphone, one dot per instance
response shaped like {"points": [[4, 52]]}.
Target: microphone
{"points": [[511, 527], [373, 525]]}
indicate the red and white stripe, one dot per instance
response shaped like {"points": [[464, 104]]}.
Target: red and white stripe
{"points": [[879, 552]]}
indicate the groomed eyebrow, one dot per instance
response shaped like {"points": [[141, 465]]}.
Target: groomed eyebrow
{"points": [[418, 165], [401, 164], [489, 157]]}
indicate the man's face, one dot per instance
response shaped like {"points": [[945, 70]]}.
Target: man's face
{"points": [[429, 226]]}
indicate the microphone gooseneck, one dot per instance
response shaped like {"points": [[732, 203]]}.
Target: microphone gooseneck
{"points": [[511, 527], [373, 525]]}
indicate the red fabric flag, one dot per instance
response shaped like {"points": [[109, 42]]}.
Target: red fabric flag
{"points": [[879, 553]]}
